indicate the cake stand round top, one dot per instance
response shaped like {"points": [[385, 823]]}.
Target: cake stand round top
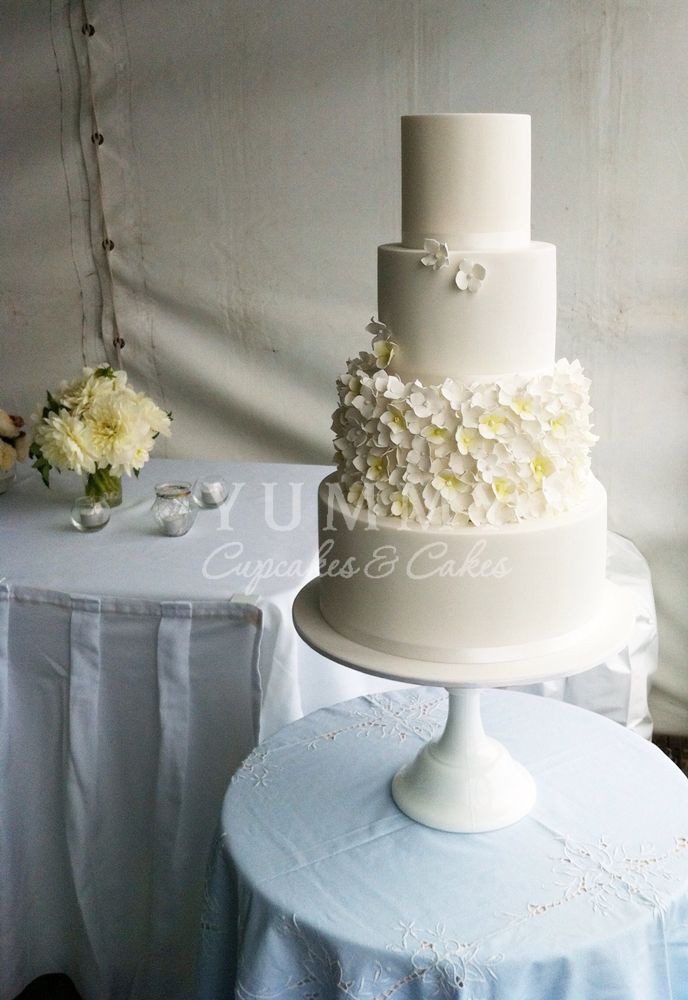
{"points": [[605, 637]]}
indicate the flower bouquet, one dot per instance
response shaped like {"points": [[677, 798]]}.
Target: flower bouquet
{"points": [[99, 426], [14, 447]]}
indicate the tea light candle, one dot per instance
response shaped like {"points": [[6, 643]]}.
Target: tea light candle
{"points": [[213, 493], [89, 514], [93, 517]]}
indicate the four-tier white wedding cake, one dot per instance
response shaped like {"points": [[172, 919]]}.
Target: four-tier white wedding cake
{"points": [[463, 523]]}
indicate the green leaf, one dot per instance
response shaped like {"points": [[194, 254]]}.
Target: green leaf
{"points": [[43, 466], [52, 407]]}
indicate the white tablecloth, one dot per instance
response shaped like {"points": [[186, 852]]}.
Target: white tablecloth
{"points": [[321, 889], [132, 683], [135, 673]]}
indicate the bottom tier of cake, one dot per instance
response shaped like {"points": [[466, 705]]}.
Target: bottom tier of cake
{"points": [[454, 594]]}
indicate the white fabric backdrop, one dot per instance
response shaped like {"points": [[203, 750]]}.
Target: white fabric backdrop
{"points": [[249, 166]]}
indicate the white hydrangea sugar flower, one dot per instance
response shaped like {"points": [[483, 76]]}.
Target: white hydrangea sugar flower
{"points": [[495, 425], [425, 401], [350, 387], [395, 422], [396, 389], [436, 254], [366, 401], [355, 494], [402, 506], [488, 452], [384, 352], [470, 276], [450, 487], [375, 466], [542, 466], [515, 396], [455, 393], [377, 330]]}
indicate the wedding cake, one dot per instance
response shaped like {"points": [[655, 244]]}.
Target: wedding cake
{"points": [[463, 523]]}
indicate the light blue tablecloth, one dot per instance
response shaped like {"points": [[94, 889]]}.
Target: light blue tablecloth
{"points": [[321, 889]]}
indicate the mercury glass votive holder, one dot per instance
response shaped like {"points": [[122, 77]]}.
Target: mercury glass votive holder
{"points": [[90, 514], [173, 508], [210, 492]]}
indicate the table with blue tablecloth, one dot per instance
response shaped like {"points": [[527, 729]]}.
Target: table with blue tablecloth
{"points": [[320, 888]]}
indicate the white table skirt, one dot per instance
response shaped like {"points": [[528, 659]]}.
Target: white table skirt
{"points": [[135, 672]]}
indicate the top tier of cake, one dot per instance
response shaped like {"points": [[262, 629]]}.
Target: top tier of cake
{"points": [[465, 180]]}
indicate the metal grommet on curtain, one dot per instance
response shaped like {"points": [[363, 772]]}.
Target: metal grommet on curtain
{"points": [[108, 244], [88, 29], [98, 138]]}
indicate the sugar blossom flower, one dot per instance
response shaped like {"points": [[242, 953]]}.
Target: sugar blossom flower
{"points": [[436, 255], [493, 452], [470, 276]]}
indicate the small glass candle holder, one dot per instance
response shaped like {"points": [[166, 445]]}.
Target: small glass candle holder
{"points": [[90, 514], [173, 508], [210, 492]]}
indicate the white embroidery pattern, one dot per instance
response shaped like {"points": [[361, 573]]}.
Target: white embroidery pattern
{"points": [[255, 767], [417, 716], [446, 968], [599, 876]]}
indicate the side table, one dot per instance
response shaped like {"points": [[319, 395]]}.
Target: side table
{"points": [[321, 888]]}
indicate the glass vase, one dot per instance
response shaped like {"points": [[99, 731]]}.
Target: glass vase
{"points": [[103, 485]]}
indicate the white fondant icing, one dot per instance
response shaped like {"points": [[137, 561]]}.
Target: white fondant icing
{"points": [[510, 325], [465, 180], [444, 593]]}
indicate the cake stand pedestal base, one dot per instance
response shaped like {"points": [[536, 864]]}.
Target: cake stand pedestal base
{"points": [[464, 782]]}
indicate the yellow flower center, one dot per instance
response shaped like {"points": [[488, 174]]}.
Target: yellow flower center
{"points": [[449, 480], [521, 405], [493, 421], [503, 488], [541, 466]]}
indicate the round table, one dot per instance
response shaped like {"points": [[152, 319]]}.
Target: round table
{"points": [[320, 888]]}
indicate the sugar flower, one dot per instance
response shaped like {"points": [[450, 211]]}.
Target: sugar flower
{"points": [[491, 452], [470, 276], [436, 255]]}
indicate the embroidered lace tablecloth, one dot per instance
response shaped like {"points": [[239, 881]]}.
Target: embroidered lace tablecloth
{"points": [[320, 888]]}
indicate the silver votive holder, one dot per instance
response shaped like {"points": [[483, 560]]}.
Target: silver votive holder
{"points": [[173, 508], [90, 514], [211, 491]]}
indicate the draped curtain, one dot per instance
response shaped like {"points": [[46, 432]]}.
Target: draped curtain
{"points": [[195, 191]]}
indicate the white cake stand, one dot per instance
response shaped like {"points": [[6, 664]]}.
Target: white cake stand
{"points": [[467, 782]]}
